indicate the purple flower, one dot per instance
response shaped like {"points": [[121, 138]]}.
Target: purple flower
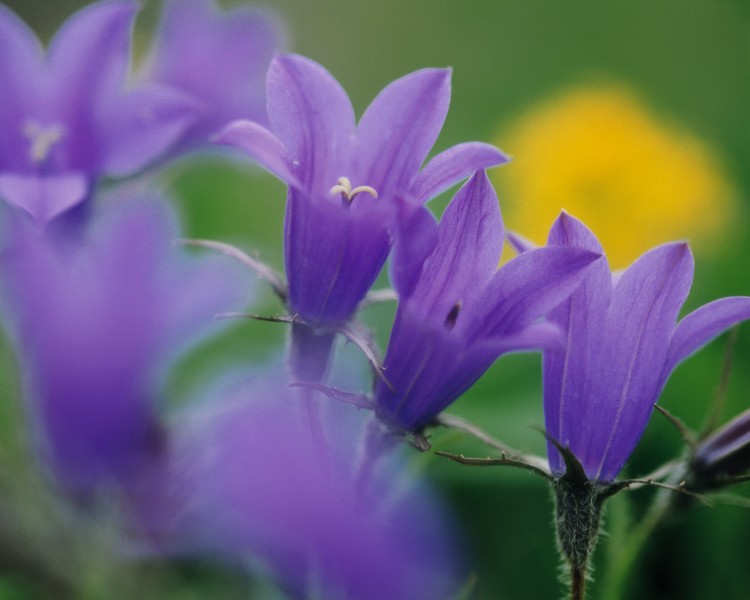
{"points": [[218, 57], [66, 118], [246, 480], [623, 341], [457, 312], [344, 179], [96, 321], [723, 455]]}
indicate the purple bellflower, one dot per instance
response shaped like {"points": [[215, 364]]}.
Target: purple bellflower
{"points": [[723, 456], [623, 341], [66, 117], [457, 311], [245, 480], [95, 324], [218, 57], [344, 180]]}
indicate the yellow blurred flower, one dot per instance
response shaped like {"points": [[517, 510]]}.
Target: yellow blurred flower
{"points": [[635, 180]]}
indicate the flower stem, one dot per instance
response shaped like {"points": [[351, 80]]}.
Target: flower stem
{"points": [[577, 582]]}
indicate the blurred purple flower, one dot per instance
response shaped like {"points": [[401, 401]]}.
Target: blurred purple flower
{"points": [[66, 118], [246, 483], [723, 455], [218, 57], [623, 343], [344, 178], [457, 312], [96, 320]]}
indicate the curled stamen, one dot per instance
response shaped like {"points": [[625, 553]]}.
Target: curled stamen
{"points": [[344, 187], [42, 139]]}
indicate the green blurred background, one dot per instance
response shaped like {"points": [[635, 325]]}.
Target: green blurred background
{"points": [[689, 63]]}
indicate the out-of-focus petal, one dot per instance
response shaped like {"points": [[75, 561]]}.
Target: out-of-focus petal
{"points": [[237, 487], [311, 114], [20, 80], [263, 146], [704, 324], [220, 57], [141, 125], [43, 197], [95, 324], [452, 166], [90, 54], [628, 370], [399, 128]]}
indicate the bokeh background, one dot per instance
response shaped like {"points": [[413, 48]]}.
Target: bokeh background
{"points": [[633, 115]]}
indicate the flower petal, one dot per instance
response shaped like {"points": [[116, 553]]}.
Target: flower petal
{"points": [[333, 255], [263, 146], [415, 239], [453, 165], [20, 85], [218, 56], [311, 114], [704, 324], [95, 323], [467, 253], [139, 126], [628, 372], [44, 197], [528, 287], [726, 451], [580, 317], [399, 128], [90, 54]]}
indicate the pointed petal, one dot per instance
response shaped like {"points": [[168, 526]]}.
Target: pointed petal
{"points": [[399, 128], [20, 80], [520, 244], [630, 361], [43, 198], [140, 126], [101, 30], [219, 56], [537, 336], [415, 239], [580, 317], [467, 252], [263, 146], [311, 114], [728, 449], [702, 325], [452, 166], [528, 287]]}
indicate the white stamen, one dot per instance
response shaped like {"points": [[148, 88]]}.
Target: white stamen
{"points": [[344, 187], [42, 139]]}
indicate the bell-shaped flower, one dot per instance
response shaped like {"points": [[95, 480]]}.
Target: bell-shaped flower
{"points": [[218, 57], [344, 177], [457, 311], [66, 117], [245, 480], [723, 457], [623, 341], [95, 322]]}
